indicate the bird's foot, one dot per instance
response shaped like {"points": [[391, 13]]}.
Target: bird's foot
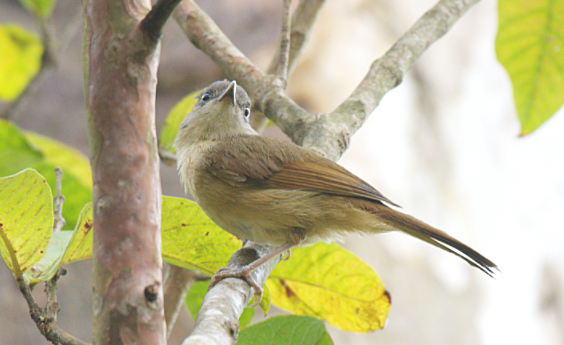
{"points": [[245, 273]]}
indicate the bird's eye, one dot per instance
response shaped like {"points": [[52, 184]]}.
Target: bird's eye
{"points": [[247, 111], [205, 97]]}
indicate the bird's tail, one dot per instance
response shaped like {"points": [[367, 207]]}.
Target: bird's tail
{"points": [[436, 237]]}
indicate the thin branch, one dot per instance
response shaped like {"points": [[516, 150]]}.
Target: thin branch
{"points": [[385, 74], [46, 318], [59, 200], [155, 20], [328, 134], [218, 319], [303, 19], [284, 48], [166, 157], [177, 282]]}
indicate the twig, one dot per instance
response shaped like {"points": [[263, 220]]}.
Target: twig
{"points": [[166, 157], [303, 19], [284, 50], [154, 21], [177, 282], [46, 318], [328, 134], [385, 74], [59, 200], [218, 319]]}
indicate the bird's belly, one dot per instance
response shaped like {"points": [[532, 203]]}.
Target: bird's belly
{"points": [[276, 216]]}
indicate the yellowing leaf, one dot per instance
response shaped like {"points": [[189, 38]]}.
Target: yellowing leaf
{"points": [[26, 218], [191, 240], [19, 151], [330, 282], [530, 45], [80, 244], [172, 122], [286, 330], [20, 59], [41, 8]]}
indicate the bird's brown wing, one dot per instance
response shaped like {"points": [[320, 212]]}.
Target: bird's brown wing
{"points": [[269, 163]]}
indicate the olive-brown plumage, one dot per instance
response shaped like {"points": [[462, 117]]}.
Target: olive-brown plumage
{"points": [[269, 191]]}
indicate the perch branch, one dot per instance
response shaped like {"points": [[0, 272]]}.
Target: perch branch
{"points": [[218, 319]]}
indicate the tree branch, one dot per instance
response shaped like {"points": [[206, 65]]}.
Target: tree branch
{"points": [[218, 319], [120, 85], [59, 200], [281, 69], [328, 134], [46, 318], [386, 73], [155, 20], [303, 19]]}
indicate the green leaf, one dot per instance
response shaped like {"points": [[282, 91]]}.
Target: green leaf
{"points": [[530, 45], [286, 330], [172, 122], [191, 240], [26, 218], [46, 268], [20, 60], [330, 282], [30, 150], [195, 297], [41, 8]]}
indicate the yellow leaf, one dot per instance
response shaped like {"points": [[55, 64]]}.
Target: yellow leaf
{"points": [[26, 218], [191, 240], [20, 59], [80, 244], [530, 45], [329, 282]]}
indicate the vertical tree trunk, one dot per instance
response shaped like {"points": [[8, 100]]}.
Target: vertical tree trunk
{"points": [[120, 68]]}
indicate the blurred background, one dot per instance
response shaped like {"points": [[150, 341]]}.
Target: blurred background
{"points": [[444, 145]]}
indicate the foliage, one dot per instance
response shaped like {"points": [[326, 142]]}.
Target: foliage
{"points": [[20, 150], [286, 330], [530, 45], [26, 219], [20, 60]]}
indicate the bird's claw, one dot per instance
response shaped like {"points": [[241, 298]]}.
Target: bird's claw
{"points": [[241, 273]]}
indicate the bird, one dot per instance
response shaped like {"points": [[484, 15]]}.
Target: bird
{"points": [[275, 192]]}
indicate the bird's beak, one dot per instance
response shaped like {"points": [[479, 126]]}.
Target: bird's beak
{"points": [[229, 93]]}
